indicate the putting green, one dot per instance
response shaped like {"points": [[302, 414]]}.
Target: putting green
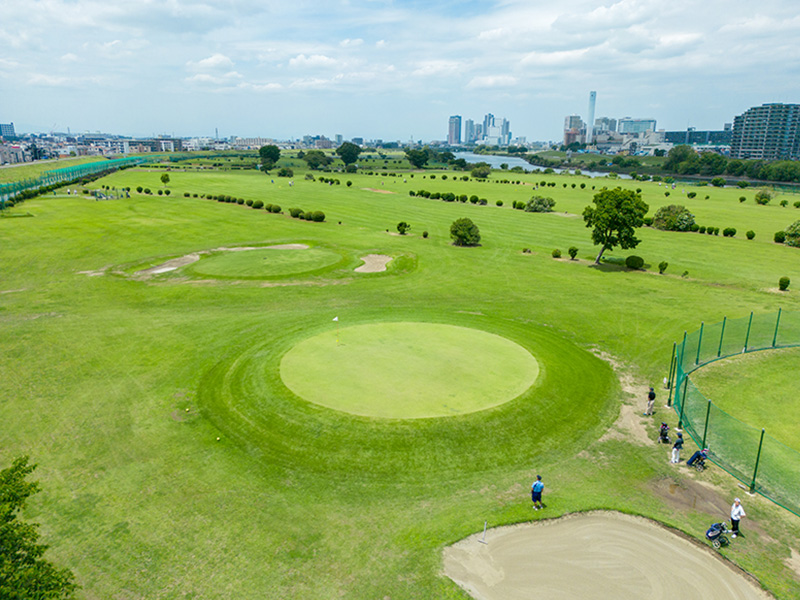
{"points": [[408, 370], [265, 262]]}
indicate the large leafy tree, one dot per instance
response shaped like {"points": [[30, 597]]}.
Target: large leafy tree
{"points": [[465, 233], [418, 158], [24, 574], [269, 156], [614, 218], [348, 152], [316, 159]]}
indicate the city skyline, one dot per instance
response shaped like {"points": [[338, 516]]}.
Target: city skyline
{"points": [[389, 69]]}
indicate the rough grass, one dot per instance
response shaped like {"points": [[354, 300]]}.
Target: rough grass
{"points": [[297, 500]]}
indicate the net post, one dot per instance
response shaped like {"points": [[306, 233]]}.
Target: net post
{"points": [[747, 337], [777, 324], [705, 427], [699, 344], [683, 400], [671, 371], [758, 458], [721, 336]]}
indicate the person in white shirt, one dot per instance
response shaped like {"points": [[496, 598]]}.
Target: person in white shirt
{"points": [[737, 512]]}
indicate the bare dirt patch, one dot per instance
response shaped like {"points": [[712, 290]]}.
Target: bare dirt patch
{"points": [[12, 291], [563, 214], [289, 247], [793, 562], [95, 273], [171, 265], [373, 263], [378, 191], [630, 425], [593, 555]]}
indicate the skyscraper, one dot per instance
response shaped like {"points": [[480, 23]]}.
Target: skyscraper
{"points": [[454, 130], [7, 130], [590, 120], [469, 131], [488, 121], [767, 132]]}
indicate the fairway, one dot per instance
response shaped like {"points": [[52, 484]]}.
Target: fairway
{"points": [[408, 370], [263, 263], [759, 389]]}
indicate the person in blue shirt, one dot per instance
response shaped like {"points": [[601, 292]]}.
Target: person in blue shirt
{"points": [[536, 493]]}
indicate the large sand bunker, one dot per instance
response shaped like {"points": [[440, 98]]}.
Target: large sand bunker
{"points": [[374, 263], [595, 555]]}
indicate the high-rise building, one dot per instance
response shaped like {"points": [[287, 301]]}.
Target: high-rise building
{"points": [[454, 130], [590, 120], [469, 131], [574, 130], [7, 130], [339, 138], [488, 121], [605, 124], [628, 125], [573, 122], [767, 132]]}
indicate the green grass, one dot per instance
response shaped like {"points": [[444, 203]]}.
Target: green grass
{"points": [[271, 262], [99, 371], [31, 170], [756, 388], [408, 370]]}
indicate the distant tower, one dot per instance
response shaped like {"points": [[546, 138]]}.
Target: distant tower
{"points": [[454, 130], [590, 120]]}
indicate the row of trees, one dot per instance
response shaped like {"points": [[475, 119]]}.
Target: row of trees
{"points": [[315, 159], [684, 160]]}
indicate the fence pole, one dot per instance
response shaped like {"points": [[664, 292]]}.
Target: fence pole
{"points": [[777, 323], [683, 400], [672, 361], [747, 337], [699, 343], [755, 469], [721, 335], [705, 428]]}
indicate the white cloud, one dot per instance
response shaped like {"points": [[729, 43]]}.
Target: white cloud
{"points": [[430, 68], [348, 43], [214, 62], [224, 78], [315, 60], [69, 57]]}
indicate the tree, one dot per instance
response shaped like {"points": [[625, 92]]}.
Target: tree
{"points": [[23, 571], [269, 156], [674, 217], [465, 233], [402, 227], [614, 219], [540, 204], [316, 159], [165, 178], [481, 170], [792, 237], [763, 197], [348, 152], [418, 158]]}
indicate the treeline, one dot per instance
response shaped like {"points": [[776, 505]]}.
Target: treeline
{"points": [[684, 160]]}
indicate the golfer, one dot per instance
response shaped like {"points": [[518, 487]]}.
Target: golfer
{"points": [[536, 493], [737, 512], [651, 399], [676, 449]]}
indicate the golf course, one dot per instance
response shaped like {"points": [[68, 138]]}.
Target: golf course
{"points": [[223, 402]]}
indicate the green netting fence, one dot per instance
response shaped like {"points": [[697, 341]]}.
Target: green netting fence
{"points": [[64, 175], [765, 465]]}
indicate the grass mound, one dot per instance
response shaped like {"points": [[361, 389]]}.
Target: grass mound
{"points": [[265, 262]]}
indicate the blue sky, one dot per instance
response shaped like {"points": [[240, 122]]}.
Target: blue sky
{"points": [[387, 69]]}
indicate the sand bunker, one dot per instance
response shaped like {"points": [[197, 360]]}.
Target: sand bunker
{"points": [[177, 263], [378, 191], [373, 263], [594, 555]]}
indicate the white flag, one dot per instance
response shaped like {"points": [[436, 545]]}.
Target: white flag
{"points": [[335, 318]]}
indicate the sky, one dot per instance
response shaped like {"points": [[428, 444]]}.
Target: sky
{"points": [[388, 69]]}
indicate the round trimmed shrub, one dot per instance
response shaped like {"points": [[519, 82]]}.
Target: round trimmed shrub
{"points": [[318, 216], [573, 252], [662, 266], [186, 194], [783, 283], [556, 253], [742, 199], [702, 229], [750, 234], [147, 190], [691, 194], [275, 208], [797, 204], [160, 192], [425, 234], [779, 237], [139, 189], [763, 197], [634, 262], [248, 202], [499, 203], [167, 192], [729, 232], [784, 203], [258, 204]]}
